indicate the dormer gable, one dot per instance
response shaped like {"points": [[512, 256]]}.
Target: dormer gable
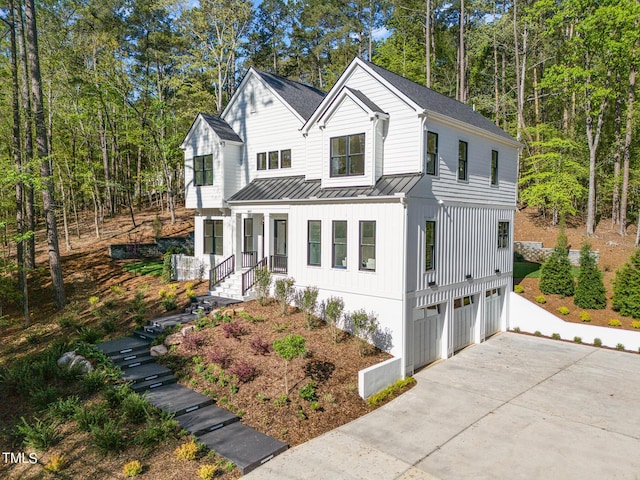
{"points": [[222, 130]]}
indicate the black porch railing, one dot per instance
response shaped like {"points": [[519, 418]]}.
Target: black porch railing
{"points": [[278, 263], [249, 259], [222, 271], [249, 277]]}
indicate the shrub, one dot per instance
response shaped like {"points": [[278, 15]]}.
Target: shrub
{"points": [[89, 415], [244, 371], [585, 316], [626, 287], [133, 468], [208, 472], [43, 396], [56, 464], [168, 297], [390, 391], [262, 285], [619, 346], [597, 342], [518, 289], [563, 310], [555, 273], [555, 336], [89, 334], [259, 346], [63, 409], [233, 330], [614, 322], [281, 401], [365, 325], [108, 438], [283, 293], [540, 299], [635, 324], [288, 348], [590, 291], [516, 329], [219, 356], [94, 381], [187, 451], [39, 434], [577, 339], [307, 301], [134, 408], [159, 428], [308, 392], [537, 333], [193, 340], [333, 313]]}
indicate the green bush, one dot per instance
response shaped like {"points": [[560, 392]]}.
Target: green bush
{"points": [[555, 336], [134, 408], [518, 289], [108, 438], [365, 325], [563, 310], [540, 299], [283, 293], [63, 409], [289, 347], [555, 274], [585, 316], [333, 313], [39, 435], [614, 322], [159, 428], [307, 301], [94, 381], [262, 285], [635, 324], [90, 415], [390, 391], [626, 287], [308, 392], [577, 339], [619, 346], [590, 291], [597, 342]]}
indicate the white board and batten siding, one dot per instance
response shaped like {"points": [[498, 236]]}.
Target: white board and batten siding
{"points": [[265, 124], [228, 229]]}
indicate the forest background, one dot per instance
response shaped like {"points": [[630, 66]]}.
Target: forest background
{"points": [[97, 95]]}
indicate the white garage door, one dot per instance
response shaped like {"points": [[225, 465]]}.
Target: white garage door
{"points": [[463, 322], [427, 335], [493, 309]]}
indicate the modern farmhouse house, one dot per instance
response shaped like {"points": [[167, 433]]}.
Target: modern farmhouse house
{"points": [[394, 197]]}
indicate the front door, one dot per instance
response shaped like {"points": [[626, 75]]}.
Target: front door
{"points": [[279, 263]]}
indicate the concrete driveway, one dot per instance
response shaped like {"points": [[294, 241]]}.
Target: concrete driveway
{"points": [[514, 407]]}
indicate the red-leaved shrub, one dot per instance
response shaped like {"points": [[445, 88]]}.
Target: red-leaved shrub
{"points": [[233, 329], [219, 356], [244, 371], [259, 346], [193, 340]]}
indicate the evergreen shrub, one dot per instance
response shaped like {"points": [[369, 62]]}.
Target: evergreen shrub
{"points": [[590, 291], [555, 274], [626, 287]]}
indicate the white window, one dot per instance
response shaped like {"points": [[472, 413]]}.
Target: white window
{"points": [[368, 245]]}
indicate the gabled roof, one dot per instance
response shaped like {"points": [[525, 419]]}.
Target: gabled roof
{"points": [[431, 100], [365, 100], [297, 188], [222, 128], [304, 99]]}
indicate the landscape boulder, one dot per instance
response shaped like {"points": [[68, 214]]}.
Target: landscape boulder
{"points": [[158, 350], [73, 361], [173, 339], [186, 330]]}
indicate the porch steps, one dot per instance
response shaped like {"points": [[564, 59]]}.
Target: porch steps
{"points": [[232, 288]]}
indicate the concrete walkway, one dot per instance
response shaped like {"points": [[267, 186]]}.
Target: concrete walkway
{"points": [[514, 407]]}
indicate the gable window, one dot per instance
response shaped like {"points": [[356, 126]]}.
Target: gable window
{"points": [[494, 167], [503, 234], [203, 170], [429, 245], [339, 244], [463, 173], [313, 242], [347, 155], [213, 238], [285, 158], [432, 153], [262, 161], [368, 245], [273, 160]]}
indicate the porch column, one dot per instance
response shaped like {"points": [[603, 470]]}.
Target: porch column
{"points": [[267, 237], [237, 240]]}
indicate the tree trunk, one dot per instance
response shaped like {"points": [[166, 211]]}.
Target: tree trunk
{"points": [[427, 38], [461, 58], [617, 122], [48, 199], [624, 198]]}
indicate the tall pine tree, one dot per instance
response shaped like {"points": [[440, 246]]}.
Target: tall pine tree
{"points": [[590, 292]]}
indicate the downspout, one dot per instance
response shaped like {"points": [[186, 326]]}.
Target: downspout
{"points": [[405, 329]]}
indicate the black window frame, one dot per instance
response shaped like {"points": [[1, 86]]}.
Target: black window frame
{"points": [[463, 160], [431, 156], [261, 161], [362, 259], [430, 248], [494, 167], [217, 241], [203, 177], [334, 223], [317, 242], [348, 156], [504, 234], [247, 233], [273, 160], [282, 158]]}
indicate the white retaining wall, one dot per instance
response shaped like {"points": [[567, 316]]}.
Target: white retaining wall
{"points": [[189, 268], [378, 377], [530, 318]]}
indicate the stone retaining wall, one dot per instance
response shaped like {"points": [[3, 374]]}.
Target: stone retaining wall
{"points": [[126, 251], [535, 252]]}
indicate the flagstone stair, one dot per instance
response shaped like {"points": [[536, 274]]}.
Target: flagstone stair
{"points": [[216, 427]]}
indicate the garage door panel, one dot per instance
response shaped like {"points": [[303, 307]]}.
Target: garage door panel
{"points": [[493, 311], [463, 322], [427, 334]]}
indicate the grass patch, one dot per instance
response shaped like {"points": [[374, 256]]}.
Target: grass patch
{"points": [[391, 391], [149, 267], [532, 270]]}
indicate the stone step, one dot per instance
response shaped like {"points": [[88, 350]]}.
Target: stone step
{"points": [[166, 322], [206, 419], [177, 399], [126, 357], [125, 345], [142, 335], [244, 446], [128, 362], [146, 372], [149, 385]]}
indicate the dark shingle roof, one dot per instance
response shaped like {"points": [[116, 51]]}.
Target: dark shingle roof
{"points": [[366, 100], [303, 98], [222, 128], [296, 188], [432, 100]]}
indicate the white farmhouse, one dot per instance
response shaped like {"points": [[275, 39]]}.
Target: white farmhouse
{"points": [[394, 197]]}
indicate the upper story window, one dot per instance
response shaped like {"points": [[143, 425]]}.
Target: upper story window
{"points": [[347, 155], [503, 234], [432, 154], [313, 242], [262, 161], [367, 245], [463, 148], [429, 245], [339, 244], [494, 167], [203, 170], [273, 160], [285, 158]]}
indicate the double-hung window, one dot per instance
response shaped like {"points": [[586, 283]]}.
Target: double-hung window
{"points": [[285, 158], [314, 231], [432, 154], [273, 160], [339, 244], [261, 161], [213, 237], [429, 245], [203, 170], [347, 155], [463, 164], [494, 167], [367, 245], [503, 234]]}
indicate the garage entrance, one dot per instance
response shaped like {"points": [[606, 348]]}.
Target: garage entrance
{"points": [[463, 322], [492, 312], [427, 336]]}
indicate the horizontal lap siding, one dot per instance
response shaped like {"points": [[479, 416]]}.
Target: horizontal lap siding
{"points": [[203, 142]]}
